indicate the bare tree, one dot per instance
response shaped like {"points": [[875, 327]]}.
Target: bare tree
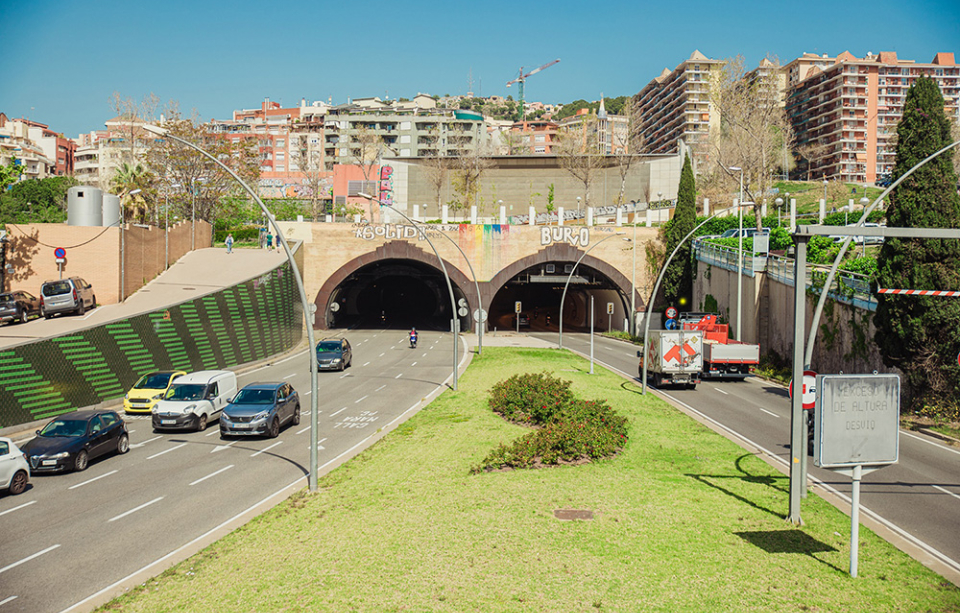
{"points": [[310, 164], [132, 115], [753, 126], [578, 153], [626, 145], [366, 150], [471, 160]]}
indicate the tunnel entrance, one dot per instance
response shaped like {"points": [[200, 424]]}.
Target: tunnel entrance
{"points": [[539, 289], [392, 293]]}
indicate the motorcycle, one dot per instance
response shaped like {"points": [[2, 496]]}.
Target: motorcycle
{"points": [[413, 342]]}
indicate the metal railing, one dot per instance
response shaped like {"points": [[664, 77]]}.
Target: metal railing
{"points": [[850, 288]]}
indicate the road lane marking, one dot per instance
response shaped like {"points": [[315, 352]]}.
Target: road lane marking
{"points": [[222, 447], [945, 491], [308, 392], [382, 354], [6, 600], [26, 504], [213, 474], [366, 363], [721, 391], [345, 375], [149, 440], [266, 449], [73, 487], [769, 413], [167, 451], [143, 506], [929, 442], [304, 430], [290, 376], [414, 364], [379, 388], [424, 354], [278, 362], [398, 376], [28, 558], [338, 412], [217, 431], [359, 400]]}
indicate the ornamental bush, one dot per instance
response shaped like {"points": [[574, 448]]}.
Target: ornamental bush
{"points": [[530, 398], [572, 430]]}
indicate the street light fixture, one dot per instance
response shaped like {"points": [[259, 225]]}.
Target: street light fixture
{"points": [[739, 256], [443, 267], [779, 203], [307, 311]]}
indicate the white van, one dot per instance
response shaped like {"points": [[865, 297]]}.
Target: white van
{"points": [[194, 400]]}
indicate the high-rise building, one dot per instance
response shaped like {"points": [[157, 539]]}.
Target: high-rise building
{"points": [[845, 114], [676, 106]]}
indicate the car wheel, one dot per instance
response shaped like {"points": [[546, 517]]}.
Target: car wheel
{"points": [[44, 314], [123, 444], [93, 303], [274, 431], [81, 461], [81, 308], [23, 316], [202, 423], [19, 482], [296, 416]]}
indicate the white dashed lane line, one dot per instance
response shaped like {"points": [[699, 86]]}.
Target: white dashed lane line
{"points": [[27, 504], [379, 388], [398, 376], [265, 449], [134, 510], [213, 474], [28, 558], [149, 440], [721, 391], [73, 487], [156, 455], [359, 400], [769, 413], [338, 412], [368, 363], [945, 491], [221, 448], [6, 600], [290, 376]]}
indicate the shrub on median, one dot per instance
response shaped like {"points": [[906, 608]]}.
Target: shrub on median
{"points": [[568, 430]]}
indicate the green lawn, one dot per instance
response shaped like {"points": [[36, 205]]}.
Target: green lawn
{"points": [[684, 520]]}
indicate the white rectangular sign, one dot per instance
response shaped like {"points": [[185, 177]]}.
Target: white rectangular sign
{"points": [[857, 420]]}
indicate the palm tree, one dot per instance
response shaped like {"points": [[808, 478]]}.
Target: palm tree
{"points": [[130, 178]]}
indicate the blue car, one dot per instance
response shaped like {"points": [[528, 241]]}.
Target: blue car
{"points": [[260, 409], [70, 441], [334, 354]]}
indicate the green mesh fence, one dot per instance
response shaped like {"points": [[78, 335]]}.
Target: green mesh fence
{"points": [[240, 324]]}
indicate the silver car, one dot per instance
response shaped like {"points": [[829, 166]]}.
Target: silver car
{"points": [[70, 295]]}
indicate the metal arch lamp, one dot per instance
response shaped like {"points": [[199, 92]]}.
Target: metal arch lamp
{"points": [[307, 311], [443, 267]]}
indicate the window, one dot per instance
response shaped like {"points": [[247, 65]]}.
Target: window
{"points": [[281, 142], [108, 419], [281, 155], [281, 168]]}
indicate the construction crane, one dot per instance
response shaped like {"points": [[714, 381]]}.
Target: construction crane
{"points": [[523, 79]]}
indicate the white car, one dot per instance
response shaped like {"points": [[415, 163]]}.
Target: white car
{"points": [[14, 470]]}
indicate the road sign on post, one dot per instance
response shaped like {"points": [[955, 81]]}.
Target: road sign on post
{"points": [[671, 312], [517, 306], [808, 394]]}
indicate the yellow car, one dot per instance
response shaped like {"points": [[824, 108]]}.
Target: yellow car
{"points": [[148, 390]]}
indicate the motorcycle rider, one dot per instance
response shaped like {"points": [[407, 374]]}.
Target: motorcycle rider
{"points": [[413, 337]]}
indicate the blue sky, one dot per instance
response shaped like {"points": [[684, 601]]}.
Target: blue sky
{"points": [[63, 58]]}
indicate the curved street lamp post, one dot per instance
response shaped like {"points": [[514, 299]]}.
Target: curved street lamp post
{"points": [[443, 267], [307, 311], [570, 276]]}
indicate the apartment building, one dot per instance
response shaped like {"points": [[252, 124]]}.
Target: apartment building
{"points": [[536, 137], [613, 131], [676, 106], [41, 151], [845, 114]]}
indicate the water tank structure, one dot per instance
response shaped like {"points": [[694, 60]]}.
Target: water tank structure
{"points": [[111, 210], [84, 206]]}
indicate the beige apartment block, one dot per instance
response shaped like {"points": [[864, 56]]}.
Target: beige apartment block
{"points": [[676, 106], [845, 114]]}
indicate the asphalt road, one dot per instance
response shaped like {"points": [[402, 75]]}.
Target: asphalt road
{"points": [[67, 542], [918, 498]]}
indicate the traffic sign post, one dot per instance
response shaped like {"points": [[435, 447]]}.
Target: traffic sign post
{"points": [[671, 312], [808, 393], [609, 316], [61, 255]]}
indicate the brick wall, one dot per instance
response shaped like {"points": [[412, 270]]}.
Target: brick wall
{"points": [[93, 253]]}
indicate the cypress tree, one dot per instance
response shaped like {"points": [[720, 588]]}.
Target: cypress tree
{"points": [[921, 335], [678, 280]]}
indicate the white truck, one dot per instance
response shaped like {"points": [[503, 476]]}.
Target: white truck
{"points": [[674, 357]]}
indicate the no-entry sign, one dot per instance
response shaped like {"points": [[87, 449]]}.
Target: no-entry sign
{"points": [[59, 252], [808, 395]]}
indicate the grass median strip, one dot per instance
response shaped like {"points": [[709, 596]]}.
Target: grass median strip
{"points": [[681, 520]]}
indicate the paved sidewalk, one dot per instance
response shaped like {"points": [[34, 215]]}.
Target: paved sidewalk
{"points": [[197, 273], [507, 339]]}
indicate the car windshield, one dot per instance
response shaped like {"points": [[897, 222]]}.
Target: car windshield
{"points": [[187, 391], [6, 298], [154, 381], [65, 427], [324, 346], [55, 288], [254, 397]]}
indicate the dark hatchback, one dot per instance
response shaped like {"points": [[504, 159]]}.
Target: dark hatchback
{"points": [[334, 354], [261, 409], [70, 441], [18, 306]]}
